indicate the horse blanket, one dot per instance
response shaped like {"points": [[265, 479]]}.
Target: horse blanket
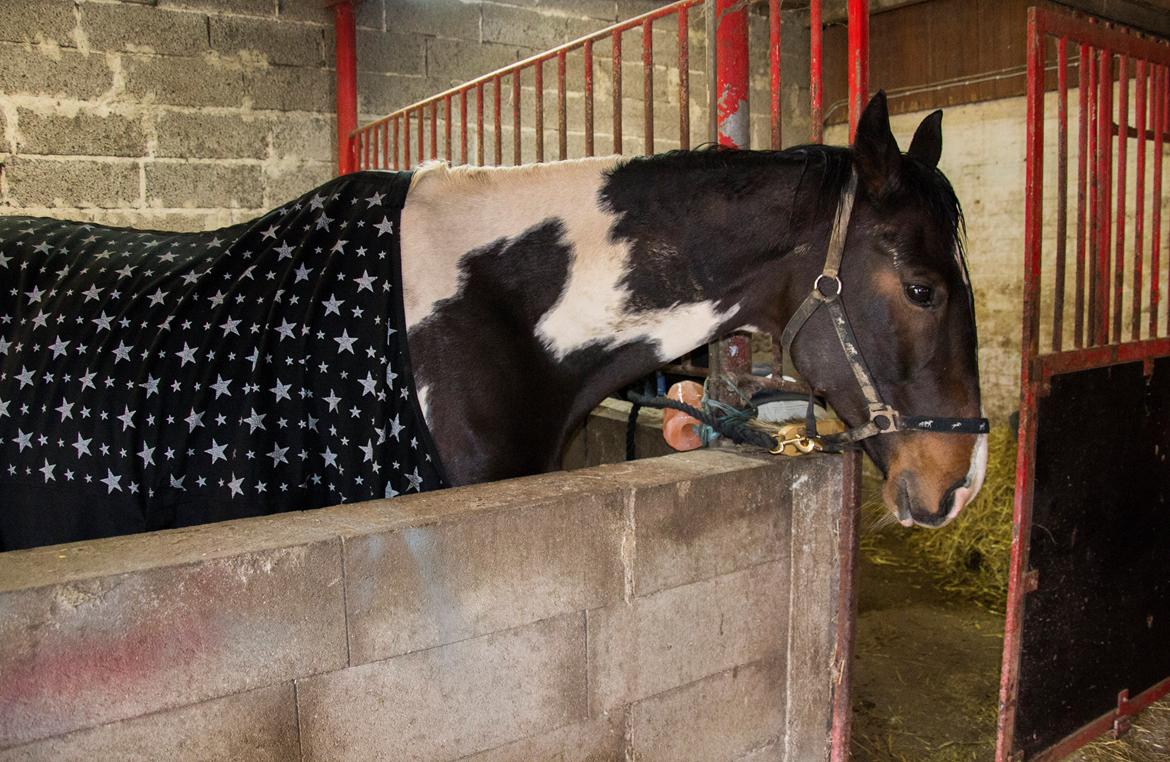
{"points": [[152, 380]]}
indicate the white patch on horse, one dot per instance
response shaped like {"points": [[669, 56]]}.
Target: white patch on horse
{"points": [[424, 402], [975, 474], [452, 212]]}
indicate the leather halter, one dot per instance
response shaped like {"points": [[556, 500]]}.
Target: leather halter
{"points": [[826, 292]]}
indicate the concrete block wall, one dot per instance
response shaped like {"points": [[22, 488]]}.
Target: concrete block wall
{"points": [[676, 608]]}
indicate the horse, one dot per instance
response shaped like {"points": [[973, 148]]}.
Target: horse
{"points": [[495, 308], [531, 293]]}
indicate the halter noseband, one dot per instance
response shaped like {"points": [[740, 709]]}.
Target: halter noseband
{"points": [[826, 292]]}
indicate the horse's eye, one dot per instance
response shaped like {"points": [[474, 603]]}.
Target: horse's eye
{"points": [[919, 294]]}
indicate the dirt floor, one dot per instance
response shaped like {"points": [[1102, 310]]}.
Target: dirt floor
{"points": [[926, 675]]}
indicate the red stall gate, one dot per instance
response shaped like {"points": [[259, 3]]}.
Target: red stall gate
{"points": [[1088, 615]]}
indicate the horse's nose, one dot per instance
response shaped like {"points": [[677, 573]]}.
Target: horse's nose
{"points": [[912, 511], [956, 498]]}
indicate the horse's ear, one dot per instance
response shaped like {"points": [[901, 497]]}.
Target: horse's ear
{"points": [[875, 151], [927, 143]]}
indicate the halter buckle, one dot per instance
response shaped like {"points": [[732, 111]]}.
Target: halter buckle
{"points": [[884, 418], [823, 294]]}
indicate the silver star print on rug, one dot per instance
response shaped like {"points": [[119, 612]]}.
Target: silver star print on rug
{"points": [[151, 380]]}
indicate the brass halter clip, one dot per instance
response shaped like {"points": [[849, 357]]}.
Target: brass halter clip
{"points": [[791, 440]]}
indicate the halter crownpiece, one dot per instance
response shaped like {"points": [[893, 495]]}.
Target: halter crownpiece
{"points": [[826, 292]]}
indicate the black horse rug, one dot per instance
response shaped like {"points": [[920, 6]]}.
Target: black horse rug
{"points": [[152, 380]]}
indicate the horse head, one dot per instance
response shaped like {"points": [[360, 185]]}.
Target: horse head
{"points": [[904, 286]]}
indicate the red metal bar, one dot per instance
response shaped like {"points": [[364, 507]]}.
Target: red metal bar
{"points": [[462, 126], [1047, 366], [447, 131], [539, 117], [1103, 724], [774, 69], [434, 130], [1105, 177], [1139, 202], [516, 117], [421, 136], [1156, 199], [816, 106], [858, 61], [406, 162], [684, 81], [497, 136], [647, 88], [1061, 191], [589, 96], [562, 115], [731, 73], [617, 91], [1094, 207], [1022, 513], [1122, 151], [394, 122], [1083, 89], [344, 33], [479, 124]]}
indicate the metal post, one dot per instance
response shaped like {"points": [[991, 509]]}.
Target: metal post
{"points": [[732, 354], [858, 61], [344, 30]]}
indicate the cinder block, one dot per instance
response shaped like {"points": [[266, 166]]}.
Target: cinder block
{"points": [[170, 80], [248, 7], [165, 219], [211, 136], [816, 512], [599, 740], [719, 717], [430, 585], [203, 185], [137, 27], [257, 725], [383, 93], [37, 21], [604, 11], [438, 18], [531, 28], [369, 15], [317, 12], [460, 60], [705, 514], [284, 182], [291, 88], [66, 73], [451, 701], [302, 136], [386, 52], [679, 635], [83, 133], [88, 650], [74, 183], [281, 43], [605, 431]]}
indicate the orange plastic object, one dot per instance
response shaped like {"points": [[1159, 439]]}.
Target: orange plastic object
{"points": [[680, 430]]}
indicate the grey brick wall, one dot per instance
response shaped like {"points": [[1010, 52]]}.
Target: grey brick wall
{"points": [[192, 114]]}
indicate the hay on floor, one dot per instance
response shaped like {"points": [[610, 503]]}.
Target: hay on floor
{"points": [[970, 556]]}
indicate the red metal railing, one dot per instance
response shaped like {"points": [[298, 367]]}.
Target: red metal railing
{"points": [[1121, 268], [386, 142]]}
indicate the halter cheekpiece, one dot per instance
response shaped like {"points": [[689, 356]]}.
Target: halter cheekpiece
{"points": [[826, 292]]}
